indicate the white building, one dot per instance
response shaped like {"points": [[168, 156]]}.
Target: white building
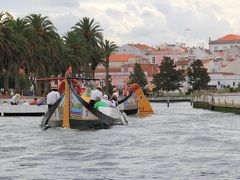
{"points": [[222, 80], [224, 43], [141, 50]]}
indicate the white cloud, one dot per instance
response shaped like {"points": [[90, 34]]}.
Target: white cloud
{"points": [[151, 22]]}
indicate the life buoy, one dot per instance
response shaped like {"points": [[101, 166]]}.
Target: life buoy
{"points": [[76, 84]]}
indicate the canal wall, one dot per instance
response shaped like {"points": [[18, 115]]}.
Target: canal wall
{"points": [[229, 102], [171, 99]]}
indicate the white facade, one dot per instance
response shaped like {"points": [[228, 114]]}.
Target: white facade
{"points": [[127, 49], [224, 46], [224, 80], [199, 53]]}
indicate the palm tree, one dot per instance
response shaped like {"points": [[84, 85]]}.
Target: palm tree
{"points": [[108, 48], [96, 59], [6, 47], [19, 29], [92, 34], [78, 45], [43, 37], [90, 31]]}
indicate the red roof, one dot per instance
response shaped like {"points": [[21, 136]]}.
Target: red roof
{"points": [[229, 37], [121, 57], [223, 73], [143, 47], [111, 69], [149, 68]]}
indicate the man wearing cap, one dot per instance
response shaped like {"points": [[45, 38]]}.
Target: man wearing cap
{"points": [[95, 93], [52, 97], [15, 99]]}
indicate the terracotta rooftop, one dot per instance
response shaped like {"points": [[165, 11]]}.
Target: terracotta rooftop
{"points": [[228, 37], [121, 57], [111, 69], [149, 68], [223, 73], [143, 47]]}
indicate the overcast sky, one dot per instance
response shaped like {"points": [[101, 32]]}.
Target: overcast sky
{"points": [[151, 22]]}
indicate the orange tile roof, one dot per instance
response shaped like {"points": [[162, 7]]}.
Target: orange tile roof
{"points": [[223, 73], [121, 57], [149, 68], [111, 69], [229, 37], [143, 47]]}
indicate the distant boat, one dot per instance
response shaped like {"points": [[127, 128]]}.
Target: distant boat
{"points": [[73, 111], [22, 110], [136, 102], [129, 104]]}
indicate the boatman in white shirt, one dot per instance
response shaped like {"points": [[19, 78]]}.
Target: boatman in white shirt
{"points": [[95, 93], [53, 96]]}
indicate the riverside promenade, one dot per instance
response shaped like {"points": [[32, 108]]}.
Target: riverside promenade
{"points": [[228, 102], [170, 98]]}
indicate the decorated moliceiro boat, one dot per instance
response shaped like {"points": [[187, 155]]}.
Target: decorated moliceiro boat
{"points": [[135, 102], [72, 111]]}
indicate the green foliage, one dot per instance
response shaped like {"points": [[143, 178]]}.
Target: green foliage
{"points": [[138, 76], [108, 48], [198, 76], [32, 43], [169, 79]]}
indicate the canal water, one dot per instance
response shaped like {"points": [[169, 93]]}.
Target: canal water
{"points": [[175, 143]]}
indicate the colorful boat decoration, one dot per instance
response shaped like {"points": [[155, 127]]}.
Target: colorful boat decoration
{"points": [[136, 102], [72, 111]]}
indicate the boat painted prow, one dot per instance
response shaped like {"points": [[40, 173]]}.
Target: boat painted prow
{"points": [[136, 102], [74, 112]]}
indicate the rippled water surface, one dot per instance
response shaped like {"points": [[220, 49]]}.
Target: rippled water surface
{"points": [[175, 143]]}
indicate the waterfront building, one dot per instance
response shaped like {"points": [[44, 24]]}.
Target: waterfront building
{"points": [[222, 80], [226, 42], [141, 50], [119, 75]]}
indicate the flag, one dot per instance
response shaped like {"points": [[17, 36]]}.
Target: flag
{"points": [[69, 71], [125, 90]]}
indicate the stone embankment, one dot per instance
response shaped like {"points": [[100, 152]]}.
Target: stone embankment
{"points": [[229, 102], [171, 99]]}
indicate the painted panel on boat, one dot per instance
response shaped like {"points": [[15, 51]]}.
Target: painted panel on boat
{"points": [[58, 113], [131, 103], [78, 111]]}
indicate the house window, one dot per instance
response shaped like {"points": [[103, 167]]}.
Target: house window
{"points": [[153, 60], [219, 83], [125, 69], [233, 83]]}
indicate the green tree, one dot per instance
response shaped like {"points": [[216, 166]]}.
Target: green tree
{"points": [[198, 76], [19, 29], [43, 38], [138, 76], [169, 79], [75, 50], [7, 48], [92, 33], [108, 48]]}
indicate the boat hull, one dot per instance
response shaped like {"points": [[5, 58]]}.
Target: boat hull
{"points": [[81, 124], [81, 116]]}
